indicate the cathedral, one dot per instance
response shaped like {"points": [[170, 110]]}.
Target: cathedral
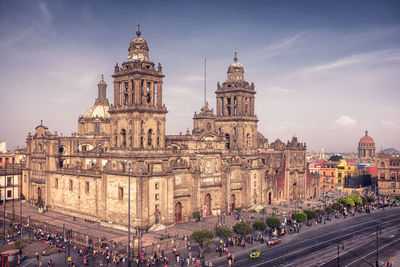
{"points": [[121, 152]]}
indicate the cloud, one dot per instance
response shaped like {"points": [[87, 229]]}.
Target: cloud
{"points": [[345, 121], [46, 16], [371, 57], [274, 49]]}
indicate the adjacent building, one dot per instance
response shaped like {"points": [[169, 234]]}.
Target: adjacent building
{"points": [[327, 174], [389, 174]]}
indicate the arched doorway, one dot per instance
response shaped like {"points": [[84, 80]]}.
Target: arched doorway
{"points": [[178, 212], [39, 193], [207, 203], [233, 200], [269, 198], [294, 191]]}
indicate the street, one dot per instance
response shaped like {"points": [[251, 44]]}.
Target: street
{"points": [[319, 247]]}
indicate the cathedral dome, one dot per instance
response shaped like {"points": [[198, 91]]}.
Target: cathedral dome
{"points": [[235, 71], [366, 139], [97, 111], [101, 106], [138, 48]]}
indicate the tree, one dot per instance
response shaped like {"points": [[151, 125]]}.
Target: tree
{"points": [[242, 228], [223, 232], [299, 216], [311, 214], [335, 158], [356, 199], [336, 206], [329, 209], [364, 199], [196, 215], [203, 238], [347, 201], [273, 222], [320, 212], [259, 225]]}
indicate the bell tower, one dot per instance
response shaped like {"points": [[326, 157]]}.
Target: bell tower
{"points": [[235, 119], [138, 115]]}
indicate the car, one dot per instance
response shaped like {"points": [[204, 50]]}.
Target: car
{"points": [[255, 254], [274, 241]]}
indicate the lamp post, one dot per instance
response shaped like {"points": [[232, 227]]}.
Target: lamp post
{"points": [[13, 199], [378, 231], [129, 213], [20, 205], [4, 203], [338, 251]]}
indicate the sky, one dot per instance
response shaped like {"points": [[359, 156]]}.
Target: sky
{"points": [[324, 71]]}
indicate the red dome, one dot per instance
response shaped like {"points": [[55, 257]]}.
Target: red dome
{"points": [[366, 139]]}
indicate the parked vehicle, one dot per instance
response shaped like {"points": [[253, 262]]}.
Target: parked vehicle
{"points": [[274, 241]]}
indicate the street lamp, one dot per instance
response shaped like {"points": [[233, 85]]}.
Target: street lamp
{"points": [[338, 251], [13, 198], [20, 204], [4, 203], [129, 212], [378, 231]]}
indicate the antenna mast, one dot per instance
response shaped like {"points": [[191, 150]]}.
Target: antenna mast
{"points": [[205, 82]]}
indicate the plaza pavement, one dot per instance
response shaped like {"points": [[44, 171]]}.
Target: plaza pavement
{"points": [[148, 239]]}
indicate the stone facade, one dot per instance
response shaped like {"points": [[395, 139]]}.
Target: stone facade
{"points": [[224, 163], [389, 174]]}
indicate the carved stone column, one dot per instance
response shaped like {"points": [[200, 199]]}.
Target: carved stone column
{"points": [[159, 94], [117, 94]]}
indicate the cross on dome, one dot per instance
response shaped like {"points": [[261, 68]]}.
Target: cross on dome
{"points": [[235, 58], [138, 32]]}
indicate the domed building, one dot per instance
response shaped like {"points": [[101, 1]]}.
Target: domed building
{"points": [[121, 153], [96, 121], [366, 147]]}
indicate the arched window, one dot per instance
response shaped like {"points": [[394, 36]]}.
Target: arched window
{"points": [[148, 98], [149, 137], [123, 137], [97, 127], [248, 140], [234, 136], [228, 141]]}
